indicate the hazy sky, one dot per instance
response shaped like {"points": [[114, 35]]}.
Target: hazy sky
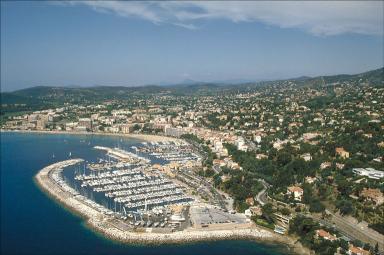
{"points": [[138, 43]]}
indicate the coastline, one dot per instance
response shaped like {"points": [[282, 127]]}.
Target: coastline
{"points": [[144, 137], [101, 224]]}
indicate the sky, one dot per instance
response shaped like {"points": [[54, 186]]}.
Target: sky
{"points": [[91, 43]]}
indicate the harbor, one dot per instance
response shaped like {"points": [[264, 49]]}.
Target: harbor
{"points": [[104, 221], [129, 199]]}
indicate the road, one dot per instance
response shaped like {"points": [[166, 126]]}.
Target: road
{"points": [[261, 197], [352, 229], [216, 168]]}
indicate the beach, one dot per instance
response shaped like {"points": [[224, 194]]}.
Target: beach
{"points": [[143, 137]]}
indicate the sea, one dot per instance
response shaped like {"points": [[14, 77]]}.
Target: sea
{"points": [[32, 223]]}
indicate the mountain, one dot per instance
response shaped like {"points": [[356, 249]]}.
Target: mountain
{"points": [[45, 96]]}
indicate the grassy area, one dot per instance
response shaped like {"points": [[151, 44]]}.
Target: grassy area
{"points": [[263, 223]]}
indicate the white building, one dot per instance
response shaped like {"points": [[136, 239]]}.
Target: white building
{"points": [[240, 143], [296, 191], [369, 172]]}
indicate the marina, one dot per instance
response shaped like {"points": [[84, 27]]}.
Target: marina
{"points": [[123, 193], [63, 230], [125, 186], [131, 184], [171, 151], [163, 226]]}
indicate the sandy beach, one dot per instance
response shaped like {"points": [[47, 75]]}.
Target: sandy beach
{"points": [[101, 223], [144, 137]]}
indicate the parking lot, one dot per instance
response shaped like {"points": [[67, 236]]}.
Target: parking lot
{"points": [[204, 216]]}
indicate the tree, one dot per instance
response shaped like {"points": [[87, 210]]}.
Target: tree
{"points": [[345, 206], [136, 127], [307, 196], [344, 187], [285, 211], [209, 172], [283, 158], [302, 225], [376, 248], [267, 211], [316, 206]]}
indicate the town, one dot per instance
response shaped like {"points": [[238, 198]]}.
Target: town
{"points": [[302, 158]]}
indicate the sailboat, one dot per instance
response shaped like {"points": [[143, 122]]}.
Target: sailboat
{"points": [[70, 154], [53, 155]]}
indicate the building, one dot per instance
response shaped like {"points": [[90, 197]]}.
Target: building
{"points": [[256, 210], [240, 143], [325, 165], [310, 179], [218, 146], [41, 124], [250, 201], [306, 156], [257, 138], [32, 117], [248, 213], [69, 126], [225, 178], [353, 250], [85, 122], [373, 195], [342, 153], [369, 172], [81, 128], [126, 128], [261, 156], [310, 136], [321, 233], [296, 191], [176, 132]]}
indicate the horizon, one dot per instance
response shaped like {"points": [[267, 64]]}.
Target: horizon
{"points": [[134, 44], [182, 83]]}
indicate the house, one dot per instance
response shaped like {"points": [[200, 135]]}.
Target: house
{"points": [[374, 195], [240, 143], [353, 250], [253, 211], [306, 156], [310, 179], [342, 153], [310, 136], [325, 165], [157, 167], [248, 213], [261, 156], [249, 201], [86, 123], [296, 191], [321, 233], [256, 210], [225, 178]]}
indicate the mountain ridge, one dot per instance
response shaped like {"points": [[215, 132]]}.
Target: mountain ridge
{"points": [[46, 96]]}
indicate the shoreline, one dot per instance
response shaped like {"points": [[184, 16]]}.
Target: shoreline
{"points": [[144, 137], [101, 224]]}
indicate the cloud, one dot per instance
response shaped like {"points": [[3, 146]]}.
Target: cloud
{"points": [[321, 18]]}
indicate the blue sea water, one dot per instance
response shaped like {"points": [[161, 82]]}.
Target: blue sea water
{"points": [[32, 223]]}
